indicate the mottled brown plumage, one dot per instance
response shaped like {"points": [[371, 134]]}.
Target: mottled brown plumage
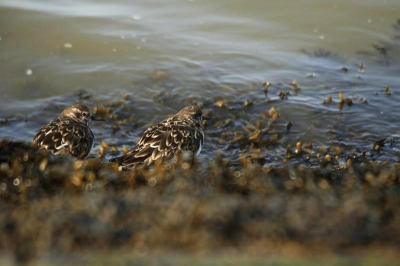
{"points": [[69, 134], [182, 132]]}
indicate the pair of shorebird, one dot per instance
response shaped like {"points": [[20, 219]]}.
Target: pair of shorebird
{"points": [[69, 134]]}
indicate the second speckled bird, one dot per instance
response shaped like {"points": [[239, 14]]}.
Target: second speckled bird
{"points": [[182, 132]]}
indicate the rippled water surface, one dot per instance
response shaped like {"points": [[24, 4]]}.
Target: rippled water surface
{"points": [[144, 60]]}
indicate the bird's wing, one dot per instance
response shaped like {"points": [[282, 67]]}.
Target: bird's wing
{"points": [[161, 140], [65, 137]]}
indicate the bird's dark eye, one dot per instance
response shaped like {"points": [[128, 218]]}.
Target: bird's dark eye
{"points": [[85, 114]]}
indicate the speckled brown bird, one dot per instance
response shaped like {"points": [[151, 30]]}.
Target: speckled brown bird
{"points": [[69, 134], [182, 132]]}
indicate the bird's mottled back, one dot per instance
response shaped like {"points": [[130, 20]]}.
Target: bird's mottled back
{"points": [[68, 134], [182, 132]]}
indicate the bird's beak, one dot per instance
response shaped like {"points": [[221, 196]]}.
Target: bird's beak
{"points": [[203, 117], [96, 118]]}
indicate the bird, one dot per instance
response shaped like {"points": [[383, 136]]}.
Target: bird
{"points": [[181, 132], [69, 134]]}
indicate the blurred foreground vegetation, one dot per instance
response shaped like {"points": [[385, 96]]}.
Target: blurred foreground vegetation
{"points": [[57, 209]]}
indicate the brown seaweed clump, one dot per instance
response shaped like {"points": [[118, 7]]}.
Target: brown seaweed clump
{"points": [[52, 205]]}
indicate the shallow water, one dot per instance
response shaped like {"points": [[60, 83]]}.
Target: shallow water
{"points": [[168, 55]]}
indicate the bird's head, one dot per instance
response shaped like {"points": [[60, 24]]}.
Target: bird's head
{"points": [[192, 112], [80, 112]]}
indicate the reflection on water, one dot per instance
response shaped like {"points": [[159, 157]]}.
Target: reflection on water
{"points": [[168, 55]]}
